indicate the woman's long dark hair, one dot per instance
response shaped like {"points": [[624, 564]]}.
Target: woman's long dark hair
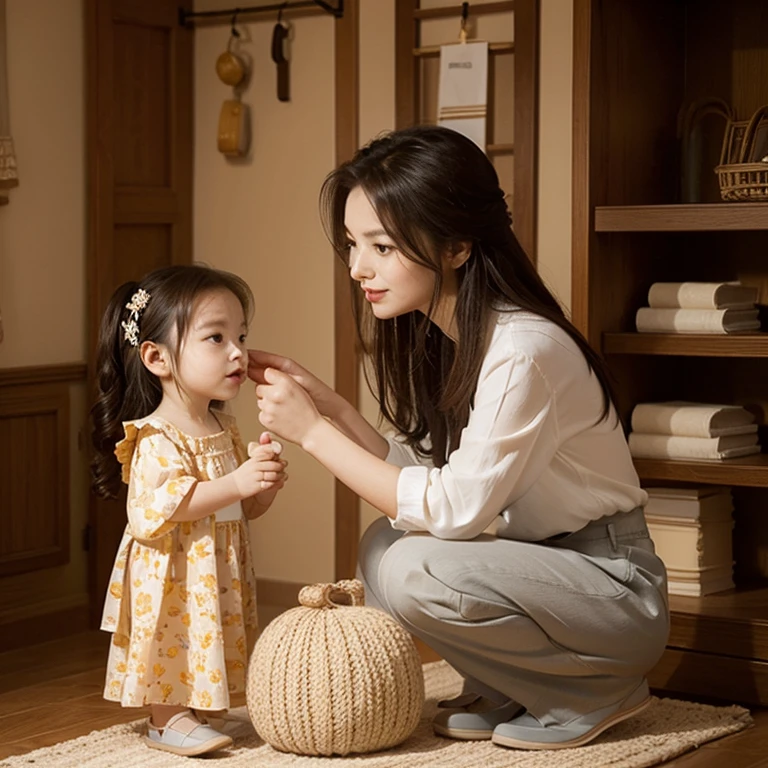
{"points": [[435, 191], [126, 390]]}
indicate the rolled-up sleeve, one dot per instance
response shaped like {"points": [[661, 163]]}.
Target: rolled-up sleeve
{"points": [[510, 439]]}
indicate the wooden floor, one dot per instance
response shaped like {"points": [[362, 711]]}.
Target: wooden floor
{"points": [[52, 692]]}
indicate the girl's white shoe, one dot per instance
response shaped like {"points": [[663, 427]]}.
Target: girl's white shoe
{"points": [[185, 735]]}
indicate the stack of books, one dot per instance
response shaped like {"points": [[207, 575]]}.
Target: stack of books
{"points": [[692, 531], [699, 308], [697, 431]]}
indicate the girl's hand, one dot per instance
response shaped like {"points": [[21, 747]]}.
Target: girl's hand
{"points": [[257, 505], [263, 470], [286, 407], [326, 400]]}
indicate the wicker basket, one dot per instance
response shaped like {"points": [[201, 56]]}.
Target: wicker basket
{"points": [[742, 180], [334, 677]]}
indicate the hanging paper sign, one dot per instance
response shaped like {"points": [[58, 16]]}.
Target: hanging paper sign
{"points": [[463, 93]]}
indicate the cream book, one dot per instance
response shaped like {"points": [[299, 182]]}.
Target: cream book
{"points": [[679, 417], [696, 589], [732, 295], [651, 320], [644, 446], [689, 546], [702, 575], [703, 503]]}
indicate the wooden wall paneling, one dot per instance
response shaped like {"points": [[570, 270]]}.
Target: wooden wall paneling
{"points": [[35, 536], [34, 476], [407, 81], [346, 357]]}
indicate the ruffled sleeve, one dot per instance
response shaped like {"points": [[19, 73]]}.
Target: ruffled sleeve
{"points": [[159, 476]]}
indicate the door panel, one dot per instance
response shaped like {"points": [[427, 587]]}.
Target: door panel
{"points": [[139, 123]]}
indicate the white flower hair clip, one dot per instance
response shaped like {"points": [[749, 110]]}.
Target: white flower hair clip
{"points": [[136, 305]]}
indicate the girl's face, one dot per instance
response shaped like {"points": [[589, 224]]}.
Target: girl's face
{"points": [[213, 358], [393, 284]]}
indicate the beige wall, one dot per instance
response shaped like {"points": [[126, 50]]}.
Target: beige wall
{"points": [[42, 241], [258, 217], [42, 231]]}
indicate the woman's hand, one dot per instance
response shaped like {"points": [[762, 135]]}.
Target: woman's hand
{"points": [[286, 407], [325, 399]]}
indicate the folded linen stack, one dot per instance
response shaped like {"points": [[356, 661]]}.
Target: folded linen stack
{"points": [[683, 430], [692, 531], [699, 308]]}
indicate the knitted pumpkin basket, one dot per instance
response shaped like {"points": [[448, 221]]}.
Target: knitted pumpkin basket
{"points": [[333, 677]]}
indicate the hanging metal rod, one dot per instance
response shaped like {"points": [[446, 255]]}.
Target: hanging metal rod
{"points": [[185, 17]]}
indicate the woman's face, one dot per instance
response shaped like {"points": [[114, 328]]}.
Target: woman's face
{"points": [[393, 284]]}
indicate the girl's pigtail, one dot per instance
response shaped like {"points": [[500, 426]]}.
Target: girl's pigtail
{"points": [[112, 384]]}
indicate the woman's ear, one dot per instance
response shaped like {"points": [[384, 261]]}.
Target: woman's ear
{"points": [[459, 254], [155, 359]]}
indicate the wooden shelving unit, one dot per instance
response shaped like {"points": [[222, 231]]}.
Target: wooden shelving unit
{"points": [[632, 228], [749, 471], [686, 345], [707, 217]]}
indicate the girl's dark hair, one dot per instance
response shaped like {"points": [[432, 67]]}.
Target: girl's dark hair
{"points": [[435, 191], [126, 390]]}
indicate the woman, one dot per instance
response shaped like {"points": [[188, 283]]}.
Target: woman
{"points": [[503, 417]]}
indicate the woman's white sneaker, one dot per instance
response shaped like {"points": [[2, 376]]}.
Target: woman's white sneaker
{"points": [[526, 732], [476, 721]]}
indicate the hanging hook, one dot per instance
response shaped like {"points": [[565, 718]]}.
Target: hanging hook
{"points": [[280, 12], [464, 15], [234, 31]]}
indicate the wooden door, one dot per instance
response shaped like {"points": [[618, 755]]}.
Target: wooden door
{"points": [[139, 139]]}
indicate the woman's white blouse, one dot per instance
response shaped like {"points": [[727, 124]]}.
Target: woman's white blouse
{"points": [[534, 458]]}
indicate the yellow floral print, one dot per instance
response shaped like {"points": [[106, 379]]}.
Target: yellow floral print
{"points": [[187, 678], [143, 603], [204, 700], [181, 599]]}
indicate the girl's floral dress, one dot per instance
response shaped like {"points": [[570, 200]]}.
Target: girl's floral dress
{"points": [[181, 604]]}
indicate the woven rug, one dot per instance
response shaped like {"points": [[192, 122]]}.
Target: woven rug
{"points": [[664, 730]]}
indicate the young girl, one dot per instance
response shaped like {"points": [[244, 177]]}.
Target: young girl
{"points": [[181, 600], [504, 416]]}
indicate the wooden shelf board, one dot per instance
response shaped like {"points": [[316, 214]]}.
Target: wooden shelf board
{"points": [[454, 11], [751, 471], [687, 345], [748, 604], [434, 50], [681, 218], [733, 623]]}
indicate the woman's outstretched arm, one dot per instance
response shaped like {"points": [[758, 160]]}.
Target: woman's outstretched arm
{"points": [[328, 402], [288, 410]]}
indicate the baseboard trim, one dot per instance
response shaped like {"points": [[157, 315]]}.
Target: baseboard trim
{"points": [[279, 594], [60, 623], [43, 627]]}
